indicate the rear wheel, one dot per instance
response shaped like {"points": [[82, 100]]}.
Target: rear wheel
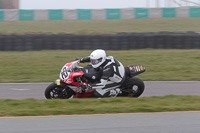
{"points": [[53, 91], [134, 87]]}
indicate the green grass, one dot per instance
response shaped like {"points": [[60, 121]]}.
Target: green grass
{"points": [[45, 66], [32, 107], [101, 26]]}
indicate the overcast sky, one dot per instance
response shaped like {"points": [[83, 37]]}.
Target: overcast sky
{"points": [[93, 4], [79, 4]]}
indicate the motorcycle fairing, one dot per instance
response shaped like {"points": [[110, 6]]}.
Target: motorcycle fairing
{"points": [[68, 72]]}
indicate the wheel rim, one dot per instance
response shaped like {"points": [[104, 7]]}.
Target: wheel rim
{"points": [[60, 93], [135, 89]]}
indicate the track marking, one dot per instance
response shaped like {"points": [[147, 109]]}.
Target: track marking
{"points": [[16, 89], [98, 114]]}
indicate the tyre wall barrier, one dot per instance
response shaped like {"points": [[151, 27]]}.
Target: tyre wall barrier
{"points": [[119, 41]]}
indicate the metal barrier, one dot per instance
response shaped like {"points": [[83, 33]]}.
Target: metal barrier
{"points": [[98, 14]]}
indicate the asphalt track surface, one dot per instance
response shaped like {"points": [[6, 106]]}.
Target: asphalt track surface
{"points": [[182, 122], [174, 122], [155, 88]]}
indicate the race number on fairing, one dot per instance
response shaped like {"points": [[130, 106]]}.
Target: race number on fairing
{"points": [[64, 74]]}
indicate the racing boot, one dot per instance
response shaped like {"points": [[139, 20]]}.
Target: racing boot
{"points": [[114, 92]]}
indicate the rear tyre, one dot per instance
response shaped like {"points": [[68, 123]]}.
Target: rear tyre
{"points": [[134, 88], [53, 91]]}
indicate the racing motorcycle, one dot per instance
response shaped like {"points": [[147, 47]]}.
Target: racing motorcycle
{"points": [[72, 79]]}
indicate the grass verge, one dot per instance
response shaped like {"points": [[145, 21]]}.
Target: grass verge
{"points": [[100, 26], [45, 66], [33, 107]]}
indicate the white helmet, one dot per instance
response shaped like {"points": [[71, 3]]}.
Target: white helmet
{"points": [[97, 58]]}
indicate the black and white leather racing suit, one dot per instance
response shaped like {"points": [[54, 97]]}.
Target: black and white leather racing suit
{"points": [[112, 76]]}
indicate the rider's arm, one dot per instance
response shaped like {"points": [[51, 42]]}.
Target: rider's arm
{"points": [[85, 59]]}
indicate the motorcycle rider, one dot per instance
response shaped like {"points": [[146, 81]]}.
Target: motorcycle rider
{"points": [[110, 70]]}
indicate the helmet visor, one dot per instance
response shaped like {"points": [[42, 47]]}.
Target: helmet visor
{"points": [[95, 61]]}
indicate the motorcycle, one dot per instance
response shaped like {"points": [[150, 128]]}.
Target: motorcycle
{"points": [[72, 79]]}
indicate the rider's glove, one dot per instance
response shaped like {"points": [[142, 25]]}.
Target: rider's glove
{"points": [[76, 59], [85, 59], [82, 60]]}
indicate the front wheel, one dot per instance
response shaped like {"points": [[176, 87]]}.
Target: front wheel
{"points": [[53, 91], [134, 87]]}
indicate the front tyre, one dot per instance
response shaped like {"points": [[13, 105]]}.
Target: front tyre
{"points": [[54, 91], [135, 87]]}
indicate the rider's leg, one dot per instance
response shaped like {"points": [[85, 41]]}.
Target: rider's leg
{"points": [[108, 91]]}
